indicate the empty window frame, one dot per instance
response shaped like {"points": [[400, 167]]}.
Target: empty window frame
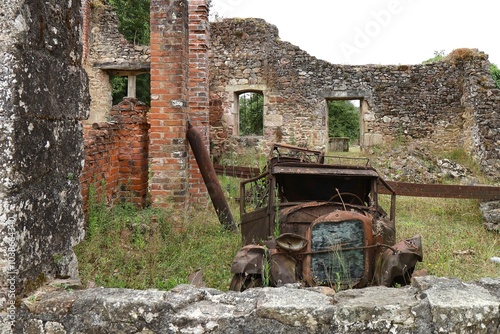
{"points": [[251, 113]]}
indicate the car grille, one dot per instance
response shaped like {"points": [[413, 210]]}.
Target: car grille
{"points": [[333, 260]]}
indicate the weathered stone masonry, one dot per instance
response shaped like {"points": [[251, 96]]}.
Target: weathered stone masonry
{"points": [[107, 52], [430, 305], [41, 141], [450, 104]]}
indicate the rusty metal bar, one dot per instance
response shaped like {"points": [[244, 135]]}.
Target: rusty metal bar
{"points": [[400, 188], [442, 190], [210, 178], [237, 171]]}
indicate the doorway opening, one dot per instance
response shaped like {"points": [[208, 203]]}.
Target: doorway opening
{"points": [[344, 123]]}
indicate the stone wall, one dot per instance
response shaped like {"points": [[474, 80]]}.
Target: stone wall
{"points": [[449, 104], [108, 53], [116, 156], [481, 103], [430, 305], [43, 98]]}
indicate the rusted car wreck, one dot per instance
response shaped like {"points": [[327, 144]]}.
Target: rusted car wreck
{"points": [[312, 219], [316, 220]]}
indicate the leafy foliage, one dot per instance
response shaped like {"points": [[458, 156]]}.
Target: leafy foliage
{"points": [[343, 119], [118, 88], [495, 74], [133, 20], [251, 108]]}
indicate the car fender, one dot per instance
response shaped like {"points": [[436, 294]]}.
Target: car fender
{"points": [[249, 260], [397, 263]]}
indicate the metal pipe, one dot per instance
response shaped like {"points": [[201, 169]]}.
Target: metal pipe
{"points": [[207, 170]]}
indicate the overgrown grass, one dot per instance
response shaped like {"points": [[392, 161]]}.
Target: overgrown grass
{"points": [[455, 243], [136, 249]]}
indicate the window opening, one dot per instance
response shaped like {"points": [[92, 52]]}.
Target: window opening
{"points": [[251, 113], [119, 85]]}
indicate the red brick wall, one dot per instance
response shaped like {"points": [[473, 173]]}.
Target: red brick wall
{"points": [[169, 108], [116, 155], [198, 90]]}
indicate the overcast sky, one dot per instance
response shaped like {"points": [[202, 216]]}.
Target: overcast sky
{"points": [[376, 31]]}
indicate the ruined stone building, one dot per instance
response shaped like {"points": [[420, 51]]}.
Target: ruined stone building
{"points": [[448, 104], [453, 103], [52, 54]]}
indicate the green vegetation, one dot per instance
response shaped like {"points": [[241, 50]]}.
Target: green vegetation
{"points": [[455, 243], [251, 111], [438, 56], [140, 249], [266, 270], [133, 20], [495, 74], [343, 120], [119, 88]]}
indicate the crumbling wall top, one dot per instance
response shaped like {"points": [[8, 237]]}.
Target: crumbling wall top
{"points": [[109, 50]]}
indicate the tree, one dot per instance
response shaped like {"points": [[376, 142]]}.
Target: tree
{"points": [[251, 110], [343, 119], [133, 20]]}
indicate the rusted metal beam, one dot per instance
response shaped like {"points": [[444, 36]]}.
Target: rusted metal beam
{"points": [[442, 190], [210, 178], [401, 188], [237, 171]]}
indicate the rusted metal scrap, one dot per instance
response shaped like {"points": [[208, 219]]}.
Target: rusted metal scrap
{"points": [[317, 223], [443, 190], [400, 188]]}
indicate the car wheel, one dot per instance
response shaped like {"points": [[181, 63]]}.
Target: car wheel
{"points": [[241, 282]]}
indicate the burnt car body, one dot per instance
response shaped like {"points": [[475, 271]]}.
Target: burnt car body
{"points": [[316, 220]]}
